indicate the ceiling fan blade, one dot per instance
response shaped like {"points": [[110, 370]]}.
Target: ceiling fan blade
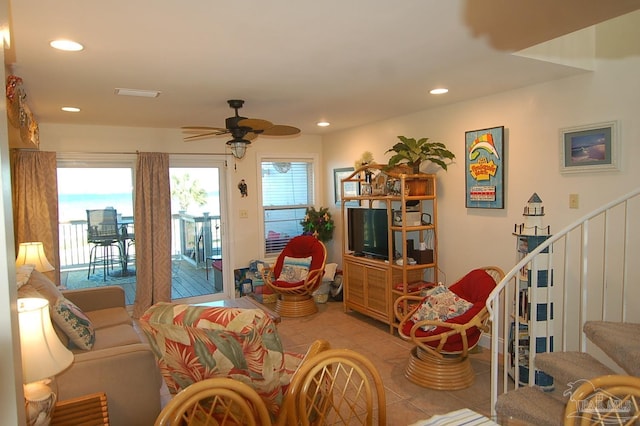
{"points": [[281, 130], [250, 136], [200, 136], [203, 128], [255, 124]]}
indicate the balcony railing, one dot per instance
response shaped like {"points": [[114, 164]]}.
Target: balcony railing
{"points": [[193, 238]]}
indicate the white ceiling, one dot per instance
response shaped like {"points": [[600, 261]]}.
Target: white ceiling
{"points": [[294, 62]]}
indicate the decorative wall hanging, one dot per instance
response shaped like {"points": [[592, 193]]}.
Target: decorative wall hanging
{"points": [[484, 168], [20, 116], [242, 186], [590, 148]]}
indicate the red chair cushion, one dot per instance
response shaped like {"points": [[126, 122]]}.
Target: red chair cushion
{"points": [[474, 287], [300, 246]]}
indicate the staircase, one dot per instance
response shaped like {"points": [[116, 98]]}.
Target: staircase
{"points": [[620, 341], [596, 318]]}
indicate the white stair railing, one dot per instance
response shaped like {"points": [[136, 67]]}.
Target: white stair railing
{"points": [[594, 267]]}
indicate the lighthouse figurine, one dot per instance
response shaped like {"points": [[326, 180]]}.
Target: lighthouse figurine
{"points": [[533, 304], [533, 213]]}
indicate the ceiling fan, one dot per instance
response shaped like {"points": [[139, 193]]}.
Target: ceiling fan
{"points": [[242, 129]]}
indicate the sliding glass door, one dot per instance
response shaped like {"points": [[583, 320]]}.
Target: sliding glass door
{"points": [[197, 233], [103, 252], [106, 182]]}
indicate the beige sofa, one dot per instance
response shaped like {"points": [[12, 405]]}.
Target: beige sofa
{"points": [[119, 363]]}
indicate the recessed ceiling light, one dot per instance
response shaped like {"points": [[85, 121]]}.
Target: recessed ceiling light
{"points": [[439, 91], [70, 109], [137, 92], [323, 124], [66, 45]]}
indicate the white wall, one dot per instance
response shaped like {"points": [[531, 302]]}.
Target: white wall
{"points": [[532, 117], [11, 395], [243, 234]]}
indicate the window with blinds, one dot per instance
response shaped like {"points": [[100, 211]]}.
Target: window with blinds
{"points": [[287, 191]]}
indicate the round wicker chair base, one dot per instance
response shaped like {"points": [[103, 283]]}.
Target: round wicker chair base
{"points": [[432, 372], [296, 308]]}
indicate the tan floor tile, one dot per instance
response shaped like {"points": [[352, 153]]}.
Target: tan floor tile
{"points": [[406, 402]]}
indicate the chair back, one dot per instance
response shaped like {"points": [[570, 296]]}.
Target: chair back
{"points": [[338, 387], [218, 401], [102, 225], [604, 400], [303, 246], [193, 343]]}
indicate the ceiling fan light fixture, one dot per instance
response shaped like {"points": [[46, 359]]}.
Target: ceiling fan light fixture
{"points": [[238, 147]]}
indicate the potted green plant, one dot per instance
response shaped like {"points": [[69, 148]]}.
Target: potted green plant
{"points": [[413, 152], [318, 223]]}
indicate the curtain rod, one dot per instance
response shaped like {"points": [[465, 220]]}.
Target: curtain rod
{"points": [[137, 152]]}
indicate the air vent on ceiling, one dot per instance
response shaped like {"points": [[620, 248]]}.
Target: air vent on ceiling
{"points": [[138, 92]]}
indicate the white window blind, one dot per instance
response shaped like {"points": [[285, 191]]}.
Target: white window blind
{"points": [[287, 191]]}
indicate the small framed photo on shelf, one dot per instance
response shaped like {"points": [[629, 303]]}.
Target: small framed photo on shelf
{"points": [[590, 148], [351, 189]]}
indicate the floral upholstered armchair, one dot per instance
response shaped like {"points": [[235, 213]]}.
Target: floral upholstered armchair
{"points": [[193, 343]]}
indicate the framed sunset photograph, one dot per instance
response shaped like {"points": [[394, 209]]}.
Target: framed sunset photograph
{"points": [[589, 148]]}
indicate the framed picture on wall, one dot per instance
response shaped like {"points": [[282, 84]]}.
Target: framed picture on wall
{"points": [[484, 168], [590, 148], [351, 189]]}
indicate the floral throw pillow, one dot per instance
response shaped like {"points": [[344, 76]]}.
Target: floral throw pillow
{"points": [[440, 304], [74, 323], [295, 269]]}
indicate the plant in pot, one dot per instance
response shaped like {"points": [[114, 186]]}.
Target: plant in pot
{"points": [[410, 153]]}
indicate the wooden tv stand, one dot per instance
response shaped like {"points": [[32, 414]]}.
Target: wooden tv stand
{"points": [[371, 286]]}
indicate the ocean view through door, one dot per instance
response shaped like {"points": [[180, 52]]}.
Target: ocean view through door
{"points": [[196, 228], [197, 241]]}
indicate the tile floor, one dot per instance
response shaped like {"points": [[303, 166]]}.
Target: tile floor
{"points": [[406, 402]]}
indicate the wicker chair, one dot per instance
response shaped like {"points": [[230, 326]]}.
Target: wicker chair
{"points": [[218, 401], [440, 358], [338, 387], [610, 400], [295, 291]]}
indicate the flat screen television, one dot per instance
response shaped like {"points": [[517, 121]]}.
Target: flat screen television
{"points": [[368, 232]]}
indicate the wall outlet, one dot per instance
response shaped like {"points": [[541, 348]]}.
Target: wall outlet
{"points": [[574, 201], [244, 214]]}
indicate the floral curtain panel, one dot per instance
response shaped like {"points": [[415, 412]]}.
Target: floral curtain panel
{"points": [[34, 187]]}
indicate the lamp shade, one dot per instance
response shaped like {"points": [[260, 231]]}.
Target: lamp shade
{"points": [[238, 147], [43, 354], [33, 254]]}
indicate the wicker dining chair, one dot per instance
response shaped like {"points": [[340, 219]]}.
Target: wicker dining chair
{"points": [[338, 387], [440, 358], [605, 400], [216, 402]]}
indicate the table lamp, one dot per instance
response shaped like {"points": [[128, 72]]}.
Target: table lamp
{"points": [[43, 356], [33, 254]]}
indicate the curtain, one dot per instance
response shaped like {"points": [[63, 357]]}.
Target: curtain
{"points": [[34, 187], [152, 213]]}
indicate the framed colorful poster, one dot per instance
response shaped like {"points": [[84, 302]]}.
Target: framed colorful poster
{"points": [[484, 168]]}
